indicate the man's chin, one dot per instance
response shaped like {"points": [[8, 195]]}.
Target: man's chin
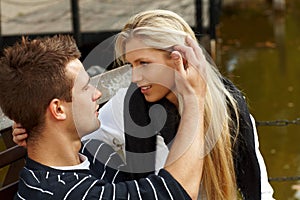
{"points": [[84, 133]]}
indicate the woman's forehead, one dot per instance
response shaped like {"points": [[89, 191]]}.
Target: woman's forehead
{"points": [[134, 44]]}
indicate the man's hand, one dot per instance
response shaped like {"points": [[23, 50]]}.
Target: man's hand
{"points": [[190, 77], [185, 160]]}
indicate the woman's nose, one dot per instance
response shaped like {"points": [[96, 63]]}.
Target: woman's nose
{"points": [[136, 74]]}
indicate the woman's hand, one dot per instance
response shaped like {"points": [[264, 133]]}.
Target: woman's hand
{"points": [[19, 135]]}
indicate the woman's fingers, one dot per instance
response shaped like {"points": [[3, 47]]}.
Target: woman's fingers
{"points": [[16, 125], [20, 139], [19, 135]]}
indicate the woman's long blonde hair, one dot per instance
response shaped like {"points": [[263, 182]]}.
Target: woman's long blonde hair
{"points": [[162, 29]]}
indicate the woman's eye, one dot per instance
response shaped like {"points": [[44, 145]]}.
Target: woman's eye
{"points": [[142, 63], [139, 64]]}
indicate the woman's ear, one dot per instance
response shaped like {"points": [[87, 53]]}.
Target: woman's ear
{"points": [[57, 109]]}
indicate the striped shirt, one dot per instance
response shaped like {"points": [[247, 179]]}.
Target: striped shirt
{"points": [[103, 181]]}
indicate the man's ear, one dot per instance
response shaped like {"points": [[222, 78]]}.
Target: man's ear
{"points": [[57, 109]]}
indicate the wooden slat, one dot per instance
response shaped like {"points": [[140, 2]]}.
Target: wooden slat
{"points": [[11, 155], [7, 192]]}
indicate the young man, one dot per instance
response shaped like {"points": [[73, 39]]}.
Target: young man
{"points": [[44, 87]]}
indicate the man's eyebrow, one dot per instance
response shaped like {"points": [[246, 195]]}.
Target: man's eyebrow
{"points": [[88, 82]]}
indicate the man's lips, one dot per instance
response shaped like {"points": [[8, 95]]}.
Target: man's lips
{"points": [[98, 108]]}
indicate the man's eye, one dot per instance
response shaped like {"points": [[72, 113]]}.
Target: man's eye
{"points": [[86, 87]]}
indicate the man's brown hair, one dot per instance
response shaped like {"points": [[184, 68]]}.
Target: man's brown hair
{"points": [[32, 73]]}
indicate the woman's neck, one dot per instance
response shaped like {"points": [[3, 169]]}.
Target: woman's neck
{"points": [[173, 98]]}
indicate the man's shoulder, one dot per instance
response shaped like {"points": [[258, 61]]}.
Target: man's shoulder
{"points": [[105, 161], [41, 182], [97, 149]]}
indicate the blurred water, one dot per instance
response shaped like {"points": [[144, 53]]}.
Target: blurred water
{"points": [[260, 52]]}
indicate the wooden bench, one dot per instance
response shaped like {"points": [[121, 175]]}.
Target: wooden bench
{"points": [[13, 156]]}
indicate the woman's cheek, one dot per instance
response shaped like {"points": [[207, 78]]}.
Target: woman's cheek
{"points": [[162, 75]]}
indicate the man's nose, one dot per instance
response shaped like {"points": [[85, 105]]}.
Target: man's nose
{"points": [[97, 94]]}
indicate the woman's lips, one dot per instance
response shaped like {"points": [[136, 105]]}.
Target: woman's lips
{"points": [[145, 89]]}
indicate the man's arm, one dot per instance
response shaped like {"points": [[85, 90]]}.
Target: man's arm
{"points": [[187, 169], [42, 182], [185, 160]]}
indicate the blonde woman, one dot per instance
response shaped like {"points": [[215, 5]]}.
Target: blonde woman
{"points": [[141, 121], [231, 162]]}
